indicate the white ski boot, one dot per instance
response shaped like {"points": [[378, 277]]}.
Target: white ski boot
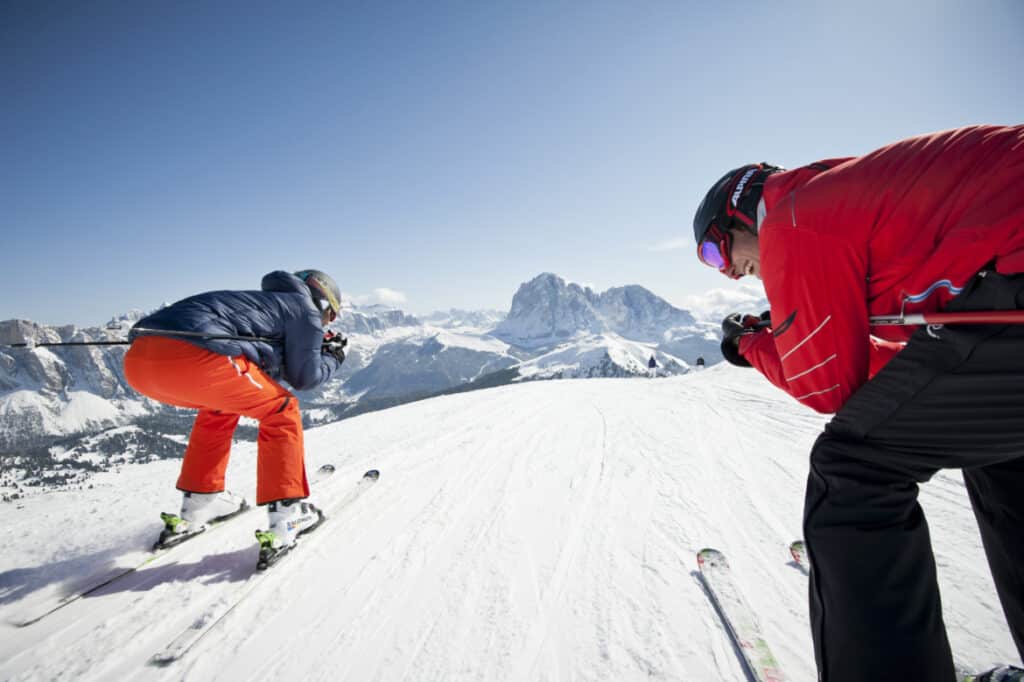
{"points": [[198, 510], [288, 520]]}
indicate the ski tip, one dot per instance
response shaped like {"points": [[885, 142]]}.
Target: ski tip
{"points": [[24, 623], [712, 557], [372, 474], [162, 660]]}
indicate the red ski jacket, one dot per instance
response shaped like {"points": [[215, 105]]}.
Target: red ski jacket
{"points": [[900, 229]]}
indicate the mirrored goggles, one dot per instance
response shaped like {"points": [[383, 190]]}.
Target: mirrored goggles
{"points": [[325, 306], [715, 249]]}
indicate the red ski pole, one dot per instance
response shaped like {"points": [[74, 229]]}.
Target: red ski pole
{"points": [[969, 317]]}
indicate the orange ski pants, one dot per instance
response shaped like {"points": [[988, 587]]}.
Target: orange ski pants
{"points": [[223, 388]]}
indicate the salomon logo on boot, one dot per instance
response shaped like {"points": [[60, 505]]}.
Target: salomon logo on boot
{"points": [[291, 518]]}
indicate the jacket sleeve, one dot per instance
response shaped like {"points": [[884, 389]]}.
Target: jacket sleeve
{"points": [[305, 366], [819, 348]]}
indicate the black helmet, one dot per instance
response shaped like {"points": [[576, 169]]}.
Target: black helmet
{"points": [[734, 197], [324, 289]]}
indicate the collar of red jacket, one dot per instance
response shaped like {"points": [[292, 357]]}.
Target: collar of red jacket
{"points": [[780, 185]]}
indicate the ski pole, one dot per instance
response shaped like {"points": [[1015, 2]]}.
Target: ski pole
{"points": [[32, 344], [969, 317], [162, 332]]}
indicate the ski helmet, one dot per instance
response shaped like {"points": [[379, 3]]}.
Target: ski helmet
{"points": [[324, 289], [733, 198]]}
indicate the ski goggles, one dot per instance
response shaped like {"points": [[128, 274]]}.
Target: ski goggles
{"points": [[325, 306], [716, 248]]}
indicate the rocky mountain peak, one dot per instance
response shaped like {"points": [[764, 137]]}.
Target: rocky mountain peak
{"points": [[548, 309]]}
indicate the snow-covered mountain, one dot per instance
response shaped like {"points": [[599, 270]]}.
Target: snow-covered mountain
{"points": [[55, 391], [456, 319], [373, 319], [600, 355], [573, 331], [554, 329], [540, 531], [548, 310], [428, 362]]}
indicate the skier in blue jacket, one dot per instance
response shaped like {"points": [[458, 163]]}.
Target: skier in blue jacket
{"points": [[225, 354]]}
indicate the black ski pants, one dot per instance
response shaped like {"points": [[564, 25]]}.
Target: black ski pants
{"points": [[953, 398]]}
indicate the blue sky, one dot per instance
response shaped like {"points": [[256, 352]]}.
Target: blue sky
{"points": [[439, 154]]}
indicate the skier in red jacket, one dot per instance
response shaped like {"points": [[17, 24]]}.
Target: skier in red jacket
{"points": [[932, 223]]}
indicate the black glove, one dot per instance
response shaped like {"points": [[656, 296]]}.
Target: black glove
{"points": [[733, 327], [334, 345]]}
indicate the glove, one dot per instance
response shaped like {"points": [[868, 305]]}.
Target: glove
{"points": [[735, 326], [334, 345]]}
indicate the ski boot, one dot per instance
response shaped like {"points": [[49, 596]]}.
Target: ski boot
{"points": [[288, 520], [198, 510]]}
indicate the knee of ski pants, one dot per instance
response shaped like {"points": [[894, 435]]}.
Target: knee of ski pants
{"points": [[852, 482], [284, 420]]}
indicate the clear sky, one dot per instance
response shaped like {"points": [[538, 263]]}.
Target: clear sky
{"points": [[439, 154]]}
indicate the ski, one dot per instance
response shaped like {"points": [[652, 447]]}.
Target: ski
{"points": [[169, 539], [217, 613], [158, 553], [1004, 673], [798, 550], [737, 617]]}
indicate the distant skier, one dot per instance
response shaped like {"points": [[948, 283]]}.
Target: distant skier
{"points": [[931, 223], [176, 359], [652, 365], [700, 362]]}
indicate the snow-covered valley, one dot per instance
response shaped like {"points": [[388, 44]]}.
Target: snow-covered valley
{"points": [[537, 531]]}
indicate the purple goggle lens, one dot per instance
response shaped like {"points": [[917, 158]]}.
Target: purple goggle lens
{"points": [[712, 255]]}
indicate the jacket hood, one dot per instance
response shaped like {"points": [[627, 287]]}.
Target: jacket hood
{"points": [[285, 282]]}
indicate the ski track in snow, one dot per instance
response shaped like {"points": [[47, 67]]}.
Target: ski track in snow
{"points": [[545, 531]]}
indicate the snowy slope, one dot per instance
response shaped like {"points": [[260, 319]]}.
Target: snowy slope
{"points": [[542, 531]]}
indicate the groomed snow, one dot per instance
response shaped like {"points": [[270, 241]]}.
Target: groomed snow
{"points": [[542, 531]]}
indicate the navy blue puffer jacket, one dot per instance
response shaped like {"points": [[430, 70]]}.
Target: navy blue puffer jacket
{"points": [[284, 310]]}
